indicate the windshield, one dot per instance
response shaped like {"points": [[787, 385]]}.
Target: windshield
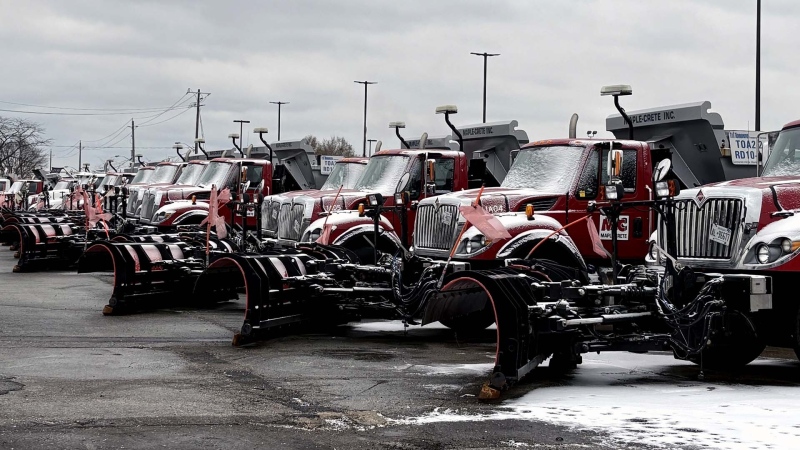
{"points": [[164, 174], [345, 175], [784, 157], [216, 173], [143, 176], [61, 185], [110, 180], [382, 174], [548, 169], [190, 174]]}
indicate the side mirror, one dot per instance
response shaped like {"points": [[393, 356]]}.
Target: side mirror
{"points": [[245, 186], [667, 189], [260, 188], [430, 176], [661, 170], [614, 164], [403, 183]]}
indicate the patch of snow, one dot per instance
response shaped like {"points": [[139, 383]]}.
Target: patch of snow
{"points": [[454, 369], [391, 326], [640, 398]]}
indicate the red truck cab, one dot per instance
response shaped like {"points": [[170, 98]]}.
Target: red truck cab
{"points": [[222, 173], [156, 196], [388, 172], [559, 178]]}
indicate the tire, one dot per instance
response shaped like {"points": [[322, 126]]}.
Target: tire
{"points": [[471, 323], [737, 348]]}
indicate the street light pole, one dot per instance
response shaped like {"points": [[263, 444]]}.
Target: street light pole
{"points": [[758, 65], [485, 59], [279, 116], [365, 83]]}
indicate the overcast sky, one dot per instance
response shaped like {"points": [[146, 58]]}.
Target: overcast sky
{"points": [[555, 56]]}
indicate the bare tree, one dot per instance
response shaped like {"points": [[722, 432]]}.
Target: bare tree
{"points": [[335, 145], [21, 143]]}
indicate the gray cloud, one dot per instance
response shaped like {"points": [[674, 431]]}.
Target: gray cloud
{"points": [[555, 57]]}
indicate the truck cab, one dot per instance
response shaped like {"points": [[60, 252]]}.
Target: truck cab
{"points": [[155, 196], [748, 226], [16, 196], [344, 174], [415, 177], [165, 174], [551, 184], [222, 173]]}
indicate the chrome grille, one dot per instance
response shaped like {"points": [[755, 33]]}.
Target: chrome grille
{"points": [[269, 215], [693, 227], [133, 196], [290, 220], [148, 205], [433, 230]]}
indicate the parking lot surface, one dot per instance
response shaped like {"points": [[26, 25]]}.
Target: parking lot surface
{"points": [[72, 378]]}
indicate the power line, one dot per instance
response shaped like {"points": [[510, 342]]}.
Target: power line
{"points": [[152, 109], [168, 109], [165, 120], [97, 147], [46, 113]]}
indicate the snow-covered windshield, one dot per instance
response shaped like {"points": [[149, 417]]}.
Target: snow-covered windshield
{"points": [[61, 185], [548, 169], [142, 176], [382, 174], [216, 173], [345, 175], [164, 174], [190, 174], [110, 180], [784, 157]]}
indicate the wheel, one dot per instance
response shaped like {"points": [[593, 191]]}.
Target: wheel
{"points": [[733, 346], [471, 323]]}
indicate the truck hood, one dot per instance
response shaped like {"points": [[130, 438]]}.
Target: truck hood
{"points": [[321, 199], [499, 199]]}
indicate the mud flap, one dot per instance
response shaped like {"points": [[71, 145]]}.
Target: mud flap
{"points": [[509, 296]]}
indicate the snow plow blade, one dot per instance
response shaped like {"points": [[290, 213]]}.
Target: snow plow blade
{"points": [[505, 294], [145, 274]]}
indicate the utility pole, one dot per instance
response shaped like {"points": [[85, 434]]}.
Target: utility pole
{"points": [[197, 117], [370, 145], [133, 144], [279, 116], [758, 65], [80, 149], [366, 84], [485, 58]]}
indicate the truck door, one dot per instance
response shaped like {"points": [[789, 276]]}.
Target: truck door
{"points": [[632, 229]]}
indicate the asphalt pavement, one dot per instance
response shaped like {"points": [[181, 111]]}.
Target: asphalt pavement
{"points": [[73, 378]]}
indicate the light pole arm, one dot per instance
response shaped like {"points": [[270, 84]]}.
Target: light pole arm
{"points": [[455, 131], [237, 147], [402, 141], [624, 116], [269, 147]]}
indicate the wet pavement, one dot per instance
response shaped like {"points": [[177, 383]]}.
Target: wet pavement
{"points": [[72, 378]]}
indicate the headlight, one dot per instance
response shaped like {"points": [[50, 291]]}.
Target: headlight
{"points": [[161, 216], [472, 245], [786, 245], [762, 254]]}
